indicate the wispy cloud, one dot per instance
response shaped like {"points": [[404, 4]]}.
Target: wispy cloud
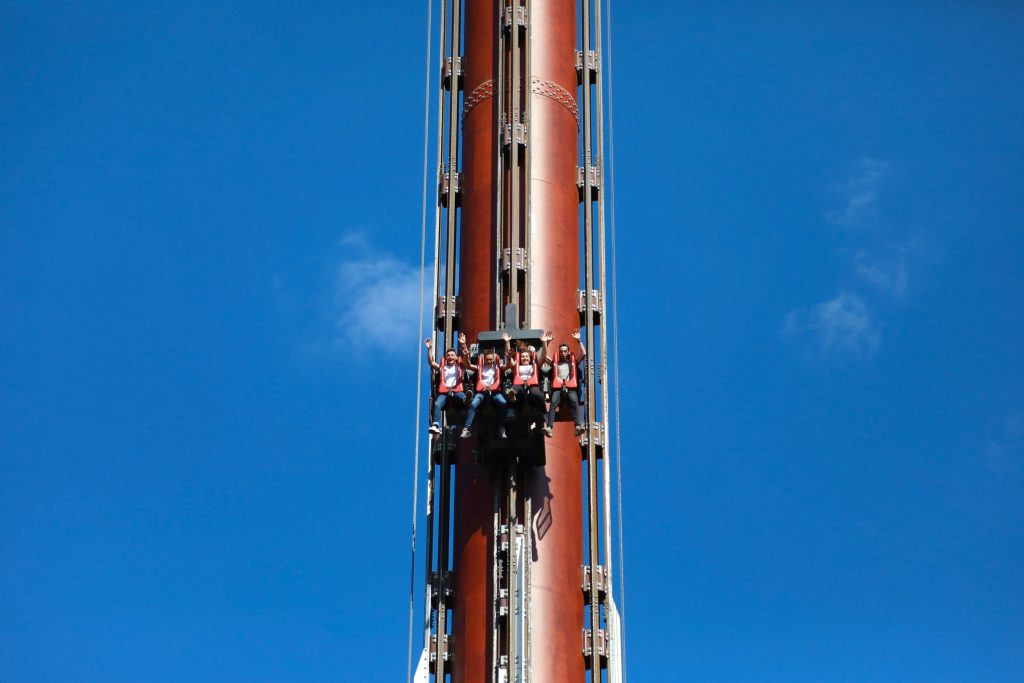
{"points": [[843, 325], [887, 275], [375, 298], [879, 255], [859, 194]]}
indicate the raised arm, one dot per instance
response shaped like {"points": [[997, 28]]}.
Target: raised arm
{"points": [[547, 336], [508, 349], [430, 354], [583, 348], [467, 363]]}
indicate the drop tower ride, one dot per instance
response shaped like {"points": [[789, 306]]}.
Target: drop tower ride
{"points": [[519, 536]]}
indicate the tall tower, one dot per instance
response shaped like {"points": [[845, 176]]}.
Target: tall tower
{"points": [[518, 529]]}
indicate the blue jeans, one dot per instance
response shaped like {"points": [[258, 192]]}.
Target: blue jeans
{"points": [[499, 401], [458, 399], [556, 398]]}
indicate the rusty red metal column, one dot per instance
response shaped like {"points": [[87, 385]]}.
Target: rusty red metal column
{"points": [[555, 491]]}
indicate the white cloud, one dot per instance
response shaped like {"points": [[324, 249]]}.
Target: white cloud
{"points": [[375, 299], [843, 325], [888, 276], [859, 194]]}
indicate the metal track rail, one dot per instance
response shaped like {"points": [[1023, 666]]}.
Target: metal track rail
{"points": [[596, 573], [439, 484]]}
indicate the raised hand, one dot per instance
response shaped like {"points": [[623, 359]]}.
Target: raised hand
{"points": [[547, 336], [504, 335], [576, 335], [427, 342], [462, 338]]}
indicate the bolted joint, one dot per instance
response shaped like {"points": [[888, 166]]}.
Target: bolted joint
{"points": [[593, 433], [517, 14], [449, 185], [589, 583], [593, 63], [452, 67], [513, 259], [440, 648], [591, 173], [601, 644], [442, 307], [503, 602], [441, 585], [517, 132], [595, 306]]}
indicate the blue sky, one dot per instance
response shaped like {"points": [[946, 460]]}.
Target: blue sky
{"points": [[206, 422]]}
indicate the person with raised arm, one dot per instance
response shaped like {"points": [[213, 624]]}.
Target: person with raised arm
{"points": [[525, 366], [449, 378], [565, 382], [488, 388]]}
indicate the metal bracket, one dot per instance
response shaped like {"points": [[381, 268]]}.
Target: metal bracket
{"points": [[595, 432], [593, 63], [446, 642], [521, 17], [518, 131], [595, 306], [449, 180], [600, 582], [518, 260], [441, 582], [602, 645], [452, 66], [441, 310], [503, 602], [595, 181]]}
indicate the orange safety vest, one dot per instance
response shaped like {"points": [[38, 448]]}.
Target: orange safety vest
{"points": [[570, 383], [480, 386], [442, 388], [519, 381]]}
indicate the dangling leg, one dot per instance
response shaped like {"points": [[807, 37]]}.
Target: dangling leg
{"points": [[471, 415], [556, 398], [435, 426], [502, 406], [574, 408]]}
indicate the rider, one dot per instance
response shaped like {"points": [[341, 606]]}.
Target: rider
{"points": [[524, 364], [565, 382], [488, 386], [449, 381]]}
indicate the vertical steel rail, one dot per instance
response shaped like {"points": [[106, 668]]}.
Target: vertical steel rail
{"points": [[593, 531], [428, 605], [496, 583], [513, 573], [443, 522], [499, 160], [452, 162], [527, 159], [612, 645], [443, 499], [515, 182]]}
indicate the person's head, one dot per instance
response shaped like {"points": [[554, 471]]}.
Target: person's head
{"points": [[450, 357], [489, 356], [525, 355], [563, 352]]}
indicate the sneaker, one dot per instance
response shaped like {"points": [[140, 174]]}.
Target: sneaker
{"points": [[548, 432], [579, 429], [435, 428], [502, 434], [465, 433]]}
